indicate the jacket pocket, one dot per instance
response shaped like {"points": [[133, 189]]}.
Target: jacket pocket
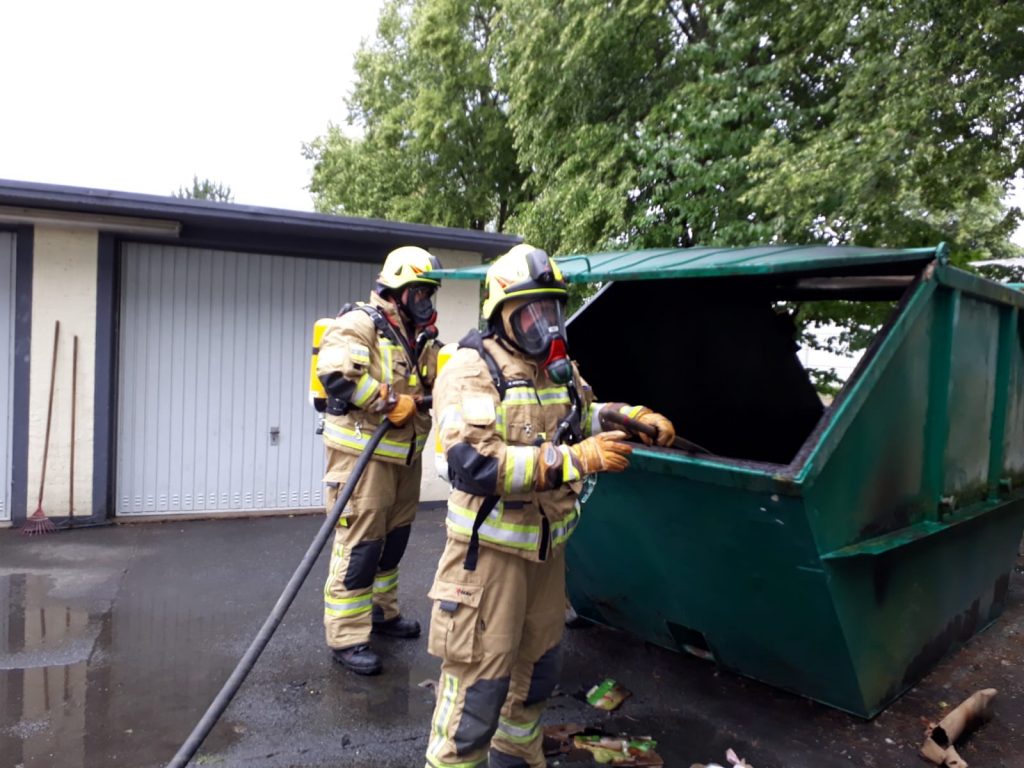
{"points": [[455, 621]]}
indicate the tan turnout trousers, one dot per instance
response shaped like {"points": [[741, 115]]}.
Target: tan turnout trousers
{"points": [[369, 542], [498, 631]]}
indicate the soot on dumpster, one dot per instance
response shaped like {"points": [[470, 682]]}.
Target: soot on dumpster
{"points": [[712, 355]]}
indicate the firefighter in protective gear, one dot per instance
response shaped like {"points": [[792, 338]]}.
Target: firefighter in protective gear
{"points": [[377, 360], [519, 431]]}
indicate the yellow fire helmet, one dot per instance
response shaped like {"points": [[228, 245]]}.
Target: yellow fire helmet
{"points": [[524, 271], [406, 265]]}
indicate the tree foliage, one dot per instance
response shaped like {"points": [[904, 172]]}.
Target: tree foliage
{"points": [[206, 190], [584, 125], [435, 145]]}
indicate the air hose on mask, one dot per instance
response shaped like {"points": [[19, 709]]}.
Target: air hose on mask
{"points": [[248, 660]]}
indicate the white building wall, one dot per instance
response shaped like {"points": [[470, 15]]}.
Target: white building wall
{"points": [[458, 311], [64, 276]]}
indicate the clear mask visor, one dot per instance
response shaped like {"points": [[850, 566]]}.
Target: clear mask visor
{"points": [[537, 324]]}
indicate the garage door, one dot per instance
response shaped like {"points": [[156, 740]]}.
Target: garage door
{"points": [[7, 375], [213, 368]]}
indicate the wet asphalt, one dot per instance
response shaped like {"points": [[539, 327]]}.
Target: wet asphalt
{"points": [[114, 640]]}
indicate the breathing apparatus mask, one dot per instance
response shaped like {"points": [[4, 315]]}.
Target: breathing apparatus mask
{"points": [[538, 329], [418, 303]]}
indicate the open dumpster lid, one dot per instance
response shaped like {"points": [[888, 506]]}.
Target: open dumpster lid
{"points": [[666, 263]]}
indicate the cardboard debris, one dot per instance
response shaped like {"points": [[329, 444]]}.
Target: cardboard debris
{"points": [[578, 743], [939, 740], [607, 695]]}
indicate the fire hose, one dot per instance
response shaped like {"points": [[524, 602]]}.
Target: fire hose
{"points": [[638, 427], [259, 642]]}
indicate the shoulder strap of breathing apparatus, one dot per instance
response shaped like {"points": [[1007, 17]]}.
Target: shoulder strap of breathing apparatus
{"points": [[384, 328], [475, 340]]}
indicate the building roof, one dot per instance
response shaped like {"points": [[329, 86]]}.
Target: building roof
{"points": [[666, 263], [215, 224]]}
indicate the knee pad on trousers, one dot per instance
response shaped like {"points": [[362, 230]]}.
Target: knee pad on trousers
{"points": [[480, 712], [394, 547], [546, 671], [496, 759], [362, 564]]}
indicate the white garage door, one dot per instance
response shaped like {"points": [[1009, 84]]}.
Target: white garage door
{"points": [[214, 346], [7, 370]]}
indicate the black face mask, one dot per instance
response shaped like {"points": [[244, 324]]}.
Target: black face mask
{"points": [[538, 329], [418, 303]]}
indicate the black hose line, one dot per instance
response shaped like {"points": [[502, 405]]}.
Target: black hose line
{"points": [[245, 664]]}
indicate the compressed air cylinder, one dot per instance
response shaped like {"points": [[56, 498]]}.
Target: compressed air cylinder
{"points": [[317, 395]]}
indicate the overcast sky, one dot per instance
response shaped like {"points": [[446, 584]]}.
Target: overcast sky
{"points": [[138, 96]]}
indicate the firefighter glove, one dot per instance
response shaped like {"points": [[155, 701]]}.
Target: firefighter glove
{"points": [[398, 409], [666, 432], [604, 452]]}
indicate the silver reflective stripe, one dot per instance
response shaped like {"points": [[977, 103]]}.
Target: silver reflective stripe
{"points": [[493, 530], [520, 395], [554, 396], [562, 530], [395, 449], [595, 417], [448, 695], [366, 387], [518, 468], [385, 582], [349, 606], [520, 734]]}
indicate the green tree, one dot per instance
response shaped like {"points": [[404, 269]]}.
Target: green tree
{"points": [[585, 125], [205, 190], [435, 144]]}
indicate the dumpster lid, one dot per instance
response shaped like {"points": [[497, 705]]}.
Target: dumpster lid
{"points": [[665, 263]]}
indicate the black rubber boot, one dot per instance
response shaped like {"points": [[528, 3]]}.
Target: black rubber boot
{"points": [[396, 627], [359, 658]]}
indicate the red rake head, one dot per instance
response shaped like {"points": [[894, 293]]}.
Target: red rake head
{"points": [[37, 524]]}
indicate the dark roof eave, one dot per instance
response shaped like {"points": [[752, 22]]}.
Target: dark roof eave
{"points": [[206, 215]]}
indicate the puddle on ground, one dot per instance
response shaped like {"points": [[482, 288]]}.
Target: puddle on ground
{"points": [[61, 703]]}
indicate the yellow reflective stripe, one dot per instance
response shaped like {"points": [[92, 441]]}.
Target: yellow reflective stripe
{"points": [[387, 355], [349, 606], [569, 471], [519, 461], [385, 581], [516, 733], [366, 388], [414, 380], [350, 438], [520, 395], [553, 396], [360, 354], [460, 520], [562, 530], [593, 422], [442, 719], [632, 411], [499, 421]]}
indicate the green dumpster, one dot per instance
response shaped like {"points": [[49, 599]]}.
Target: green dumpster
{"points": [[838, 552]]}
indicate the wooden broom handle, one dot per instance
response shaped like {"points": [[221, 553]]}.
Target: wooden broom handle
{"points": [[49, 410]]}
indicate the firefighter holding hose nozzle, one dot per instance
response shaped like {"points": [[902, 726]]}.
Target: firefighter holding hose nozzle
{"points": [[518, 433]]}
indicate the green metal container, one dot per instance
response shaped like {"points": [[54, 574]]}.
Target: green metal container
{"points": [[837, 552]]}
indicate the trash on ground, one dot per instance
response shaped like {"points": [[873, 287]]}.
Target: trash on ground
{"points": [[607, 695], [621, 750], [577, 743], [939, 740], [731, 757]]}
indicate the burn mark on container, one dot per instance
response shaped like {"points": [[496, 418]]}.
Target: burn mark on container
{"points": [[959, 629]]}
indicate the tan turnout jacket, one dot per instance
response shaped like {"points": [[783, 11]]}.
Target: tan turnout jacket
{"points": [[353, 347], [490, 446]]}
